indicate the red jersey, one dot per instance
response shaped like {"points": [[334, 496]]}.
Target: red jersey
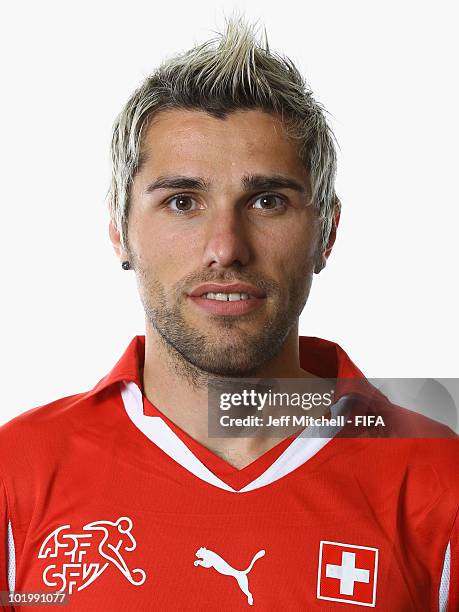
{"points": [[104, 498]]}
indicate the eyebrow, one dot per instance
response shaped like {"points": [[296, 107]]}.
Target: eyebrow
{"points": [[251, 182], [276, 181], [177, 182]]}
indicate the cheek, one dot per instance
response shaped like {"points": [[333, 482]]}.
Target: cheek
{"points": [[293, 253], [166, 251]]}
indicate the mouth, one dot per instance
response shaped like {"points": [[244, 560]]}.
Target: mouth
{"points": [[233, 299], [227, 297], [220, 291]]}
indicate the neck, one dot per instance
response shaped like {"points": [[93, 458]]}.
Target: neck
{"points": [[179, 390]]}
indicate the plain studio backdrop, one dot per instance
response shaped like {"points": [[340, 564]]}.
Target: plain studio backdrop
{"points": [[387, 73]]}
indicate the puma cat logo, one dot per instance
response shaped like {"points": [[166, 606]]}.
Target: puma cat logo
{"points": [[208, 558]]}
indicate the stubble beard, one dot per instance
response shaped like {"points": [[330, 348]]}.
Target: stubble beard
{"points": [[228, 350]]}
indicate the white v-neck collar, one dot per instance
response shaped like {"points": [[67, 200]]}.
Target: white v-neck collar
{"points": [[305, 446]]}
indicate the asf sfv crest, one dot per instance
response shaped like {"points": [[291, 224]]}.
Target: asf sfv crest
{"points": [[77, 559]]}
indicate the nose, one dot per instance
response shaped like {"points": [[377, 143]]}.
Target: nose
{"points": [[226, 240]]}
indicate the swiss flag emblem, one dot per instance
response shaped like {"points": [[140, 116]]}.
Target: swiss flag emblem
{"points": [[347, 573]]}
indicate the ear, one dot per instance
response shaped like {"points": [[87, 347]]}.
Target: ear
{"points": [[115, 239], [324, 253]]}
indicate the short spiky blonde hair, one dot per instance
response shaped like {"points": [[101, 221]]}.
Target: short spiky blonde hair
{"points": [[234, 71]]}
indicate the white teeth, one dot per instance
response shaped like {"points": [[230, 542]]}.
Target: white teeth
{"points": [[227, 297]]}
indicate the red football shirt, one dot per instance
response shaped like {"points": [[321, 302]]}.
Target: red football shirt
{"points": [[103, 498]]}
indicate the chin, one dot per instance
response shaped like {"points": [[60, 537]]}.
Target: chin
{"points": [[237, 364], [229, 370]]}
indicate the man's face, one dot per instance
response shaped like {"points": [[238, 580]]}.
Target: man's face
{"points": [[222, 207]]}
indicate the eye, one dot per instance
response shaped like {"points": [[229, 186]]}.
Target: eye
{"points": [[269, 201], [182, 204]]}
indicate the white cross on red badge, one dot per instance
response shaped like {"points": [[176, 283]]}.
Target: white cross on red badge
{"points": [[347, 573]]}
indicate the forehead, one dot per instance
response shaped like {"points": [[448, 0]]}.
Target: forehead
{"points": [[192, 141]]}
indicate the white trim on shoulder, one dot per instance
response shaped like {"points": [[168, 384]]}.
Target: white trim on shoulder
{"points": [[11, 555], [444, 582]]}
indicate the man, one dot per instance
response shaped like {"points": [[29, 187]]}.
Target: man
{"points": [[223, 205]]}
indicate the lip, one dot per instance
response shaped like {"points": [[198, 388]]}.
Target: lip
{"points": [[254, 292], [227, 309]]}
